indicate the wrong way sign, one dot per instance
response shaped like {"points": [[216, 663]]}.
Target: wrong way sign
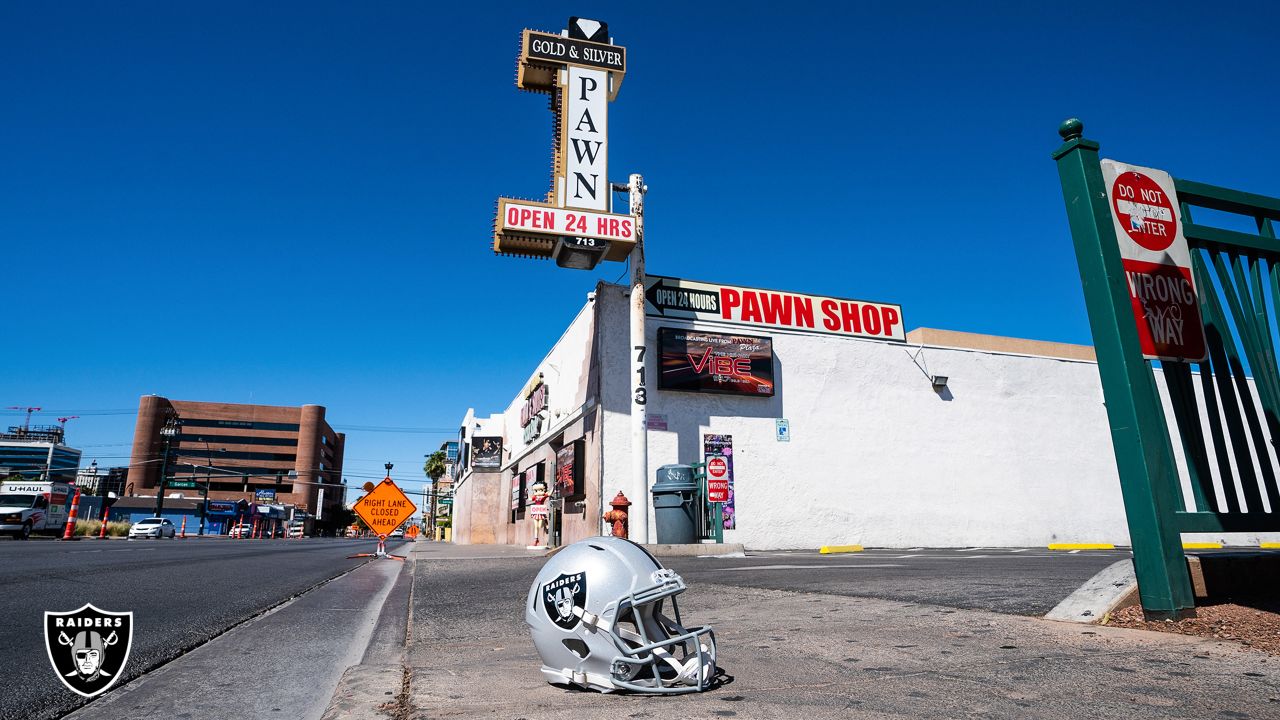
{"points": [[1157, 262], [385, 508], [717, 479]]}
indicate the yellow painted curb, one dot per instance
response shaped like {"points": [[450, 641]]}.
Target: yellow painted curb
{"points": [[1272, 546], [1201, 546], [1081, 546], [830, 549]]}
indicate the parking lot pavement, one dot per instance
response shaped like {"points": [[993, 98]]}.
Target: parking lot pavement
{"points": [[820, 653]]}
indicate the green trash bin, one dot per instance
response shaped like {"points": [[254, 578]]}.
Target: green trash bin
{"points": [[675, 496]]}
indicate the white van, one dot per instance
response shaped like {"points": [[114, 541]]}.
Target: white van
{"points": [[34, 507]]}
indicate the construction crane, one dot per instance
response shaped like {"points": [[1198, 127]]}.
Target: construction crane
{"points": [[63, 421], [26, 425]]}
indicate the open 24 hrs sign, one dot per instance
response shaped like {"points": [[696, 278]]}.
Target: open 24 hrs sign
{"points": [[1157, 262]]}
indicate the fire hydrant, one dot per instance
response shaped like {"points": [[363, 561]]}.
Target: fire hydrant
{"points": [[618, 515]]}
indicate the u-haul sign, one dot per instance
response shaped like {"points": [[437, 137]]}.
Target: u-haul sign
{"points": [[677, 298]]}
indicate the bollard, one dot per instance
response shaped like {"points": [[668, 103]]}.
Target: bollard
{"points": [[183, 531], [618, 515], [70, 530], [102, 532]]}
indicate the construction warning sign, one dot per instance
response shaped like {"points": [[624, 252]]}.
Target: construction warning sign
{"points": [[384, 508]]}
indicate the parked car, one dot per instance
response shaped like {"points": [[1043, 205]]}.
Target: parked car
{"points": [[152, 528], [397, 533], [241, 530]]}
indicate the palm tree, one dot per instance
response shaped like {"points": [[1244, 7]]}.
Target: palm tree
{"points": [[435, 466]]}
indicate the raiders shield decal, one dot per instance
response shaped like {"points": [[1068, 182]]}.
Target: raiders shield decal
{"points": [[88, 647], [561, 595]]}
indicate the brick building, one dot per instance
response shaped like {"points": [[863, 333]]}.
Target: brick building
{"points": [[244, 452]]}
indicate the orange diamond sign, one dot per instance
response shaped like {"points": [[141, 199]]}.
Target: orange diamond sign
{"points": [[384, 508]]}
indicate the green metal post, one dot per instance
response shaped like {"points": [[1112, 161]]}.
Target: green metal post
{"points": [[1144, 455]]}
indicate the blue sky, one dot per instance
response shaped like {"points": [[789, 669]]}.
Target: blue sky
{"points": [[290, 203]]}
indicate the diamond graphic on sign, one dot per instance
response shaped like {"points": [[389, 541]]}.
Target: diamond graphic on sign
{"points": [[586, 29]]}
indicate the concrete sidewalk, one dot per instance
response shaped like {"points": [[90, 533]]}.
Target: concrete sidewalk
{"points": [[816, 655]]}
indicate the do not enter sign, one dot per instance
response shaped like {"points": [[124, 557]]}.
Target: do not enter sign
{"points": [[1157, 262], [1144, 210], [717, 479]]}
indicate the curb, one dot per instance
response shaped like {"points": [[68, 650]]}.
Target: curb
{"points": [[833, 549], [697, 550], [1099, 595], [1201, 546], [1081, 546]]}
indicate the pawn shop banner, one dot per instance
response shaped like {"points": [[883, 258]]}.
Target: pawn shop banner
{"points": [[1157, 262]]}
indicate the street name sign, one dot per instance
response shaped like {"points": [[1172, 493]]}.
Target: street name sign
{"points": [[581, 70], [692, 300], [182, 484], [384, 508], [1157, 262]]}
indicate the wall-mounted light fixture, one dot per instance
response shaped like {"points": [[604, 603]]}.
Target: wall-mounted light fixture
{"points": [[939, 382], [579, 253]]}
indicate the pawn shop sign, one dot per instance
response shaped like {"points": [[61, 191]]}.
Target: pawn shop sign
{"points": [[581, 69], [1157, 262], [385, 508]]}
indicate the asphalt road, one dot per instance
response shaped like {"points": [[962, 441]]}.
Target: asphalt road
{"points": [[1019, 581], [182, 594]]}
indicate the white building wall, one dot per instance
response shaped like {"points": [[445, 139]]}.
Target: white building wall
{"points": [[564, 370], [1015, 451]]}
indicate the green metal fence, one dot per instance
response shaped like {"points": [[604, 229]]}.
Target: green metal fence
{"points": [[1226, 409]]}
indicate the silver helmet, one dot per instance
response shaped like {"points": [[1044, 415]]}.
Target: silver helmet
{"points": [[597, 618]]}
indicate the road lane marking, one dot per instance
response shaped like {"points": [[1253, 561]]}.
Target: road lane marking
{"points": [[803, 567]]}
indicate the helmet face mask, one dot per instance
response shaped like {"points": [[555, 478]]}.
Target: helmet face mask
{"points": [[618, 636]]}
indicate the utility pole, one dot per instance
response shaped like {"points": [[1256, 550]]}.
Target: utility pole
{"points": [[168, 432], [639, 526]]}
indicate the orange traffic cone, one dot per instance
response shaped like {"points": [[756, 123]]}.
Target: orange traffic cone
{"points": [[102, 532], [183, 531], [70, 531], [254, 534]]}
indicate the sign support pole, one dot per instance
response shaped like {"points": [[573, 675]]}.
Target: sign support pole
{"points": [[639, 525], [1144, 457]]}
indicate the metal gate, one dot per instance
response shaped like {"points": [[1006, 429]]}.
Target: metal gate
{"points": [[1226, 409]]}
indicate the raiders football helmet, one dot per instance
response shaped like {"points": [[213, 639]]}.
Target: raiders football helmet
{"points": [[597, 617]]}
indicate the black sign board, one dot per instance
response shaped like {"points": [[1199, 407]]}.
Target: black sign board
{"points": [[557, 49], [673, 297], [569, 469], [486, 452], [697, 361]]}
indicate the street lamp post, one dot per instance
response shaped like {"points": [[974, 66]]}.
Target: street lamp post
{"points": [[388, 466], [168, 432]]}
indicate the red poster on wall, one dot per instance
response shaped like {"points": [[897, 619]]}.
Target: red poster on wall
{"points": [[566, 467]]}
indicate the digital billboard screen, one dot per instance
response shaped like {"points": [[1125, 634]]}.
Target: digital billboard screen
{"points": [[698, 361]]}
